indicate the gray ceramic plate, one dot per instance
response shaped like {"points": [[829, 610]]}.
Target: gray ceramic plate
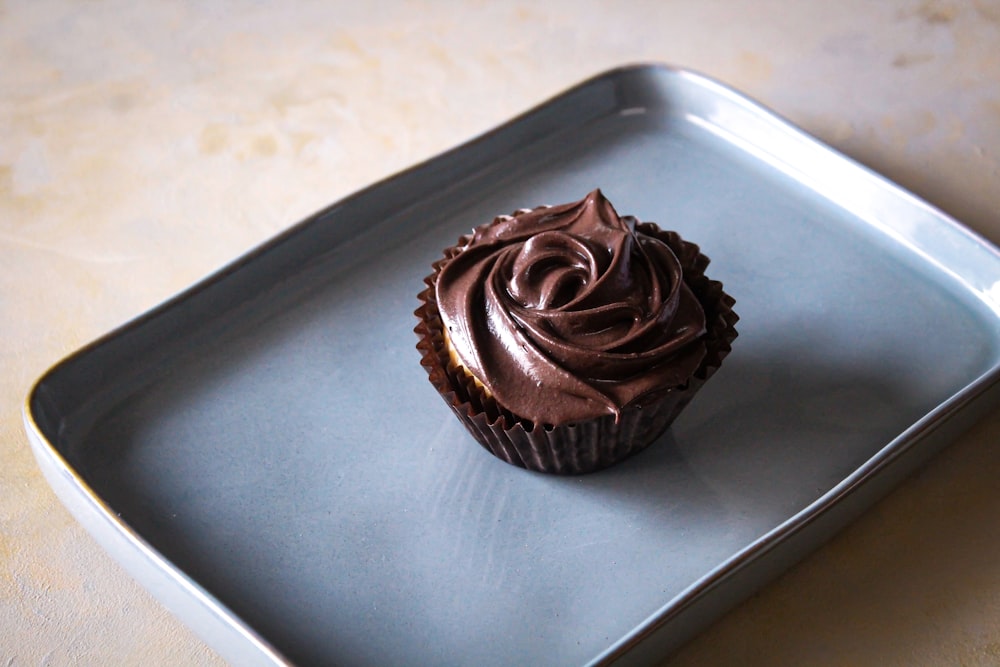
{"points": [[265, 453]]}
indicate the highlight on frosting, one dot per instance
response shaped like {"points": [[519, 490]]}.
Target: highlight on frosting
{"points": [[567, 313]]}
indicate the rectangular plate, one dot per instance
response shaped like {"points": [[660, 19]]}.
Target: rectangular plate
{"points": [[265, 454]]}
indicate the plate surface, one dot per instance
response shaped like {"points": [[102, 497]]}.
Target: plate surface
{"points": [[264, 452]]}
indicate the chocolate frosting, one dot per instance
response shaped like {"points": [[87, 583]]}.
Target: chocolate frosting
{"points": [[567, 313]]}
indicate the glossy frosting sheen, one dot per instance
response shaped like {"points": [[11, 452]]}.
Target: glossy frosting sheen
{"points": [[566, 313]]}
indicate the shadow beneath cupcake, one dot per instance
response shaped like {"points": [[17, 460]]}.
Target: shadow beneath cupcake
{"points": [[767, 436]]}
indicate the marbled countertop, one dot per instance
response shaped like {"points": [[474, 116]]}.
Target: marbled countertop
{"points": [[143, 145]]}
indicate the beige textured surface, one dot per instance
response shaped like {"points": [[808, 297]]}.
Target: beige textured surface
{"points": [[143, 145]]}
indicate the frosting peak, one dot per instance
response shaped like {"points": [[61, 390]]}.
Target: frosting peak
{"points": [[567, 313]]}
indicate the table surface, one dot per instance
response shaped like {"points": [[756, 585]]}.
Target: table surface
{"points": [[143, 145]]}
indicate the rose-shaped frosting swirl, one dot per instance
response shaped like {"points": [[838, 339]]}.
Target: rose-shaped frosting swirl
{"points": [[567, 313]]}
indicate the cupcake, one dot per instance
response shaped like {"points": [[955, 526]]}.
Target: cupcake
{"points": [[567, 338]]}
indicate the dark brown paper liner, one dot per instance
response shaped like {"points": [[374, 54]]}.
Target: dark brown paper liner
{"points": [[583, 447]]}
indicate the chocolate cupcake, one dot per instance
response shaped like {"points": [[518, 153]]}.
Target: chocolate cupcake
{"points": [[567, 338]]}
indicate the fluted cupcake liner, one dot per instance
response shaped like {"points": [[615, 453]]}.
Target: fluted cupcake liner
{"points": [[588, 446]]}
